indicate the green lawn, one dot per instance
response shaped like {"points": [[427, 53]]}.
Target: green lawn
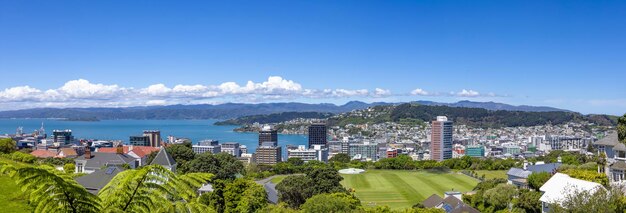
{"points": [[278, 178], [492, 174], [11, 196], [402, 189]]}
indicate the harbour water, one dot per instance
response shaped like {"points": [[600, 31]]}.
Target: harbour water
{"points": [[195, 130]]}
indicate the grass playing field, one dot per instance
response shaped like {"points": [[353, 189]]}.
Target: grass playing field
{"points": [[402, 189], [492, 174]]}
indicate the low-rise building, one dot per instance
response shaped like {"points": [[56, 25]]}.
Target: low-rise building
{"points": [[561, 186], [317, 152], [269, 155], [365, 150], [199, 149], [93, 161], [231, 148], [475, 151]]}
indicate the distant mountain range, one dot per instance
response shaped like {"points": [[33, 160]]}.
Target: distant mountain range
{"points": [[494, 106], [234, 110]]}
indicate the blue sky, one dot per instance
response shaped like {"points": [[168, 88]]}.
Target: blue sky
{"points": [[568, 54]]}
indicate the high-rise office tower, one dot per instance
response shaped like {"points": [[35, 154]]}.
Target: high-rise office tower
{"points": [[317, 135], [154, 136], [441, 139], [268, 134]]}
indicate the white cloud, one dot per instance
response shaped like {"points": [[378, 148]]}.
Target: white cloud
{"points": [[156, 102], [156, 90], [378, 92], [83, 93], [468, 93], [20, 93], [83, 89], [419, 91], [340, 93]]}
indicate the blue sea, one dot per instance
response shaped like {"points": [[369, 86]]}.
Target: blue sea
{"points": [[195, 130]]}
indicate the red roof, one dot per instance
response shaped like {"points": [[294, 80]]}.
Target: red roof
{"points": [[112, 149], [142, 151], [40, 153]]}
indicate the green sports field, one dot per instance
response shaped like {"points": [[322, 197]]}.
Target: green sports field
{"points": [[401, 189]]}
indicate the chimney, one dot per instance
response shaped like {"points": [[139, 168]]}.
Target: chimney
{"points": [[120, 149], [87, 152]]}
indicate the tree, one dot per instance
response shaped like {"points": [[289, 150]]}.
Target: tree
{"points": [[529, 201], [537, 179], [181, 153], [294, 190], [223, 165], [336, 202], [51, 190], [69, 168], [326, 180], [7, 145], [153, 188], [587, 175], [599, 200], [244, 195], [621, 128], [341, 158], [279, 208], [500, 196], [215, 199], [295, 161]]}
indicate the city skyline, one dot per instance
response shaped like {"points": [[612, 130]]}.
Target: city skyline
{"points": [[561, 54]]}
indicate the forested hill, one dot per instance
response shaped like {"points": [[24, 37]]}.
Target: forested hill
{"points": [[469, 116], [274, 118], [233, 110]]}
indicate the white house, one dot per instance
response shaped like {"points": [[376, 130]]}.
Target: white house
{"points": [[560, 186]]}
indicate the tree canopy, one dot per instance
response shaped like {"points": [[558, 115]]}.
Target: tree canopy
{"points": [[7, 145], [223, 165], [537, 179]]}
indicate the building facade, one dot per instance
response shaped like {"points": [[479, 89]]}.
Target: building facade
{"points": [[317, 135], [268, 134], [199, 149], [139, 141], [154, 137], [365, 150], [475, 151], [62, 136], [231, 148], [268, 155], [318, 153], [441, 139]]}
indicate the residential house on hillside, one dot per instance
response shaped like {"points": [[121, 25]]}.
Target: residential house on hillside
{"points": [[42, 153], [560, 186], [139, 152], [164, 159], [93, 161], [67, 153], [95, 181], [615, 152], [59, 152], [452, 202], [519, 176]]}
